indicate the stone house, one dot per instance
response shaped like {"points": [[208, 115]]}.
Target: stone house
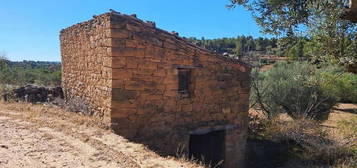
{"points": [[154, 87]]}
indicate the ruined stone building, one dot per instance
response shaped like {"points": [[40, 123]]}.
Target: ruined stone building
{"points": [[154, 87]]}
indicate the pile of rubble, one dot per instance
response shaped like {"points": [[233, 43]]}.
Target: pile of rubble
{"points": [[34, 94]]}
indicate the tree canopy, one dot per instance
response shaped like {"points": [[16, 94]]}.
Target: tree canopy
{"points": [[30, 72], [326, 36], [281, 17], [237, 46]]}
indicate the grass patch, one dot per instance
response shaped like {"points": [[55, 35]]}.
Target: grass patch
{"points": [[348, 129], [37, 113], [303, 143]]}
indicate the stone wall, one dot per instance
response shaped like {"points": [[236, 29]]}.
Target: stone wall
{"points": [[126, 71], [86, 76], [146, 105]]}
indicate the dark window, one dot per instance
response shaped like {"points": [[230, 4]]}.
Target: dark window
{"points": [[184, 76]]}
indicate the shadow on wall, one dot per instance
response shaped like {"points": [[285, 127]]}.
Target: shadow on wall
{"points": [[206, 146]]}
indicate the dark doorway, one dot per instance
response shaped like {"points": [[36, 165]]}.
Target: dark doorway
{"points": [[209, 147]]}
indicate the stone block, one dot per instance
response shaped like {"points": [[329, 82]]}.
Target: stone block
{"points": [[119, 34], [117, 42], [122, 95], [122, 112], [121, 74], [116, 105], [118, 62], [117, 83], [132, 65], [148, 66], [128, 52], [133, 28]]}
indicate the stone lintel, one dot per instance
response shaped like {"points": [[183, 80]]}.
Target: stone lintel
{"points": [[202, 131]]}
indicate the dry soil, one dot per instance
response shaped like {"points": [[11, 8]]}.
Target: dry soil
{"points": [[43, 136]]}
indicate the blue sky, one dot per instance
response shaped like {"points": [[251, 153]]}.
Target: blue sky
{"points": [[29, 29]]}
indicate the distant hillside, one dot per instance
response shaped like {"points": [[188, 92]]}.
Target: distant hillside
{"points": [[33, 64], [30, 72], [238, 46]]}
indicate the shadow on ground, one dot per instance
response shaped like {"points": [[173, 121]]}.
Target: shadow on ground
{"points": [[267, 154], [349, 110]]}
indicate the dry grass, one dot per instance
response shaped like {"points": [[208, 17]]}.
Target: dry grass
{"points": [[35, 111], [331, 144], [183, 157], [348, 128], [64, 121]]}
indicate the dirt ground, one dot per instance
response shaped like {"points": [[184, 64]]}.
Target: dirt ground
{"points": [[47, 136], [40, 136], [343, 111]]}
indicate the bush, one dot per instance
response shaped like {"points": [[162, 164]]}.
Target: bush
{"points": [[4, 89], [292, 88], [343, 85]]}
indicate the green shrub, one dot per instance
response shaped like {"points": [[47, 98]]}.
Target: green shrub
{"points": [[343, 85], [292, 88], [4, 88], [263, 61]]}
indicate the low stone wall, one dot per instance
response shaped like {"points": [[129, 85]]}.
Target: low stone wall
{"points": [[34, 94]]}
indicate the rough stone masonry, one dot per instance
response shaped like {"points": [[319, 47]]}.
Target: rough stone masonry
{"points": [[154, 87]]}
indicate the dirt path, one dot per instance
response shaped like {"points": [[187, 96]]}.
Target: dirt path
{"points": [[23, 145], [343, 111], [50, 137]]}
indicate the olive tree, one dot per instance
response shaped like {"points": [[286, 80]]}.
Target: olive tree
{"points": [[292, 88]]}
